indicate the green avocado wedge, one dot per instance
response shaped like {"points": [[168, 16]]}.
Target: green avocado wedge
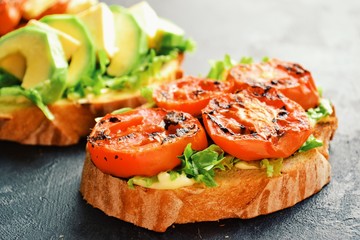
{"points": [[170, 36], [163, 35], [100, 23], [130, 40], [46, 66], [148, 20], [83, 60], [69, 44]]}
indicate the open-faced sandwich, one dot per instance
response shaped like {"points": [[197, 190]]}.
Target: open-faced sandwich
{"points": [[16, 13], [60, 72], [251, 140]]}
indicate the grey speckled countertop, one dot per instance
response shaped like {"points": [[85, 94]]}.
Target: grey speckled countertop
{"points": [[39, 197]]}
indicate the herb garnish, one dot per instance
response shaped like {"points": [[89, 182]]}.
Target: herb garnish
{"points": [[310, 143], [323, 110], [200, 165]]}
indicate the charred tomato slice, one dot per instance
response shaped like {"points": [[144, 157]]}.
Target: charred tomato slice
{"points": [[143, 141], [190, 94], [256, 123], [291, 79]]}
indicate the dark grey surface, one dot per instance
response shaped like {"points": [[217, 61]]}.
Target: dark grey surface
{"points": [[39, 197]]}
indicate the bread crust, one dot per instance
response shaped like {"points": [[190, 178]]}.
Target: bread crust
{"points": [[73, 120], [239, 194]]}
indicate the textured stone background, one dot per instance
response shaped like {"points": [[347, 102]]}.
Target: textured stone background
{"points": [[39, 196]]}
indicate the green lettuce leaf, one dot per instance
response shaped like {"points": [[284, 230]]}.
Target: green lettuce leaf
{"points": [[200, 165], [323, 110], [170, 42], [31, 94], [103, 61], [219, 68], [246, 60], [320, 91], [265, 59], [310, 143], [147, 93], [273, 166], [150, 67], [148, 181], [10, 86]]}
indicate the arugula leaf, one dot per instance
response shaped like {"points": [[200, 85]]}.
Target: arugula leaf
{"points": [[273, 166], [200, 165], [310, 143], [32, 94]]}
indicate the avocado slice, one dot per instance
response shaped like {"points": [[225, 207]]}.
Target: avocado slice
{"points": [[69, 44], [162, 34], [148, 20], [170, 36], [15, 64], [34, 8], [83, 60], [79, 5], [46, 66], [100, 22], [130, 41]]}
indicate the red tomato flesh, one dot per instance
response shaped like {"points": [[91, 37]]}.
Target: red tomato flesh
{"points": [[290, 79], [256, 123], [10, 15], [59, 7], [143, 142], [190, 94]]}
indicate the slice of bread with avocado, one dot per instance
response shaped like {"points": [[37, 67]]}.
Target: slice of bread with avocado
{"points": [[240, 193], [58, 74]]}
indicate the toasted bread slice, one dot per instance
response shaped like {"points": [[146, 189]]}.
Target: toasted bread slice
{"points": [[239, 194], [26, 123]]}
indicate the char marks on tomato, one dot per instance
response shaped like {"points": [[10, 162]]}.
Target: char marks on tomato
{"points": [[291, 79], [190, 94], [256, 123], [143, 141]]}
